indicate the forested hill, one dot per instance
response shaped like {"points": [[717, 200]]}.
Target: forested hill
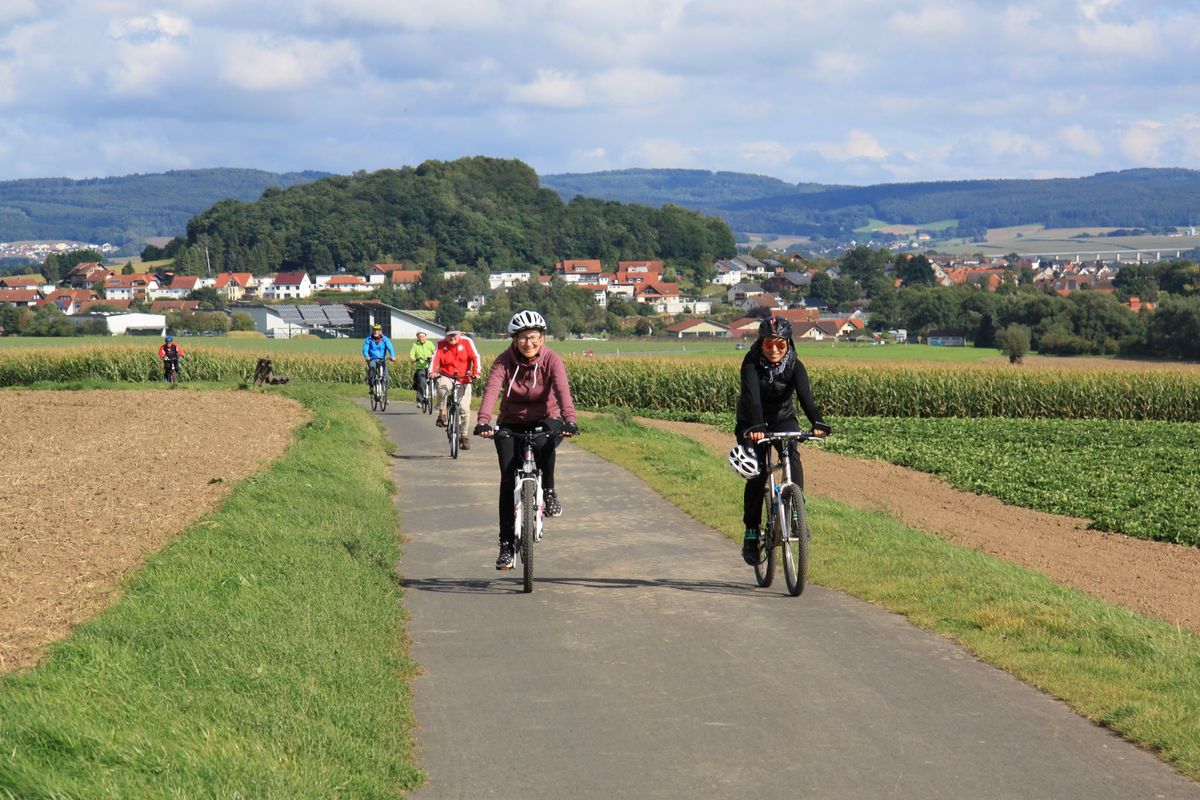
{"points": [[479, 213], [126, 210], [1147, 198]]}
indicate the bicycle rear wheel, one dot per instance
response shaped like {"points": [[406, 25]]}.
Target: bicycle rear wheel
{"points": [[795, 535], [764, 570], [529, 506]]}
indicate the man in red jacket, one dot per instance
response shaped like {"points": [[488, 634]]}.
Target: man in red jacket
{"points": [[455, 360]]}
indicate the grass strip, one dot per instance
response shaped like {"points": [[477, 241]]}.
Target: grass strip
{"points": [[260, 654], [1134, 675]]}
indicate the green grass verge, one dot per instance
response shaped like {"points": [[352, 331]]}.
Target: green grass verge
{"points": [[260, 654], [1136, 477], [1131, 674]]}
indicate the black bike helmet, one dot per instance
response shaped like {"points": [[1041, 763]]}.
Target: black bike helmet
{"points": [[775, 328]]}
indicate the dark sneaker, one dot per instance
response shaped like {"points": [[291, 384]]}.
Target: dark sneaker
{"points": [[464, 443], [553, 507], [505, 559], [441, 420], [750, 547]]}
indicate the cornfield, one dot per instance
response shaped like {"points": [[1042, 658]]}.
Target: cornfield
{"points": [[703, 385], [712, 386]]}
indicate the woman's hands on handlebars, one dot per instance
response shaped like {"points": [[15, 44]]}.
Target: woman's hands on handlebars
{"points": [[488, 432]]}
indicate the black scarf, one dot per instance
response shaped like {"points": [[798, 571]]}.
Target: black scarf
{"points": [[775, 372]]}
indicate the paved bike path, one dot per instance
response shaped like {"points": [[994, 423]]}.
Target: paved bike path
{"points": [[647, 664]]}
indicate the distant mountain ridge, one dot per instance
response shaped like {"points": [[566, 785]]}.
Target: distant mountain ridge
{"points": [[125, 210], [1149, 198]]}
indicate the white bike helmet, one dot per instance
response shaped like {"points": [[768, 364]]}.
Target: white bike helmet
{"points": [[744, 461], [523, 320]]}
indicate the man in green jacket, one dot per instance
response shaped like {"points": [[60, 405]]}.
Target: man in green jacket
{"points": [[421, 354]]}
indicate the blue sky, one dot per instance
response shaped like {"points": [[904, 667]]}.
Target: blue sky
{"points": [[847, 91]]}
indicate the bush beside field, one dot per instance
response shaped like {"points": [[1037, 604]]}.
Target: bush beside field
{"points": [[704, 385]]}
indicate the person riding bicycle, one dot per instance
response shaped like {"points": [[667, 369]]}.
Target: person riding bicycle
{"points": [[455, 360], [771, 377], [169, 352], [377, 347], [533, 379], [421, 354]]}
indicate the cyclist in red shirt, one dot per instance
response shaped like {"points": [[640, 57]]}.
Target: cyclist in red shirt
{"points": [[169, 353], [455, 360]]}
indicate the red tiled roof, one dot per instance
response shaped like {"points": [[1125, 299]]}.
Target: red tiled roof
{"points": [[405, 275], [346, 280], [174, 305], [289, 278], [241, 279], [691, 323], [185, 282], [579, 266], [656, 288], [19, 295]]}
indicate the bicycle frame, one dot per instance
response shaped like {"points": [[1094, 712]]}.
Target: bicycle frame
{"points": [[782, 442]]}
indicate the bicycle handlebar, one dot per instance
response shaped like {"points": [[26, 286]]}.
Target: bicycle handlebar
{"points": [[783, 436], [505, 433]]}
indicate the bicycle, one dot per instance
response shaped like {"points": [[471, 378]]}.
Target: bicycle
{"points": [[425, 397], [785, 515], [529, 507], [453, 423], [379, 385], [171, 370]]}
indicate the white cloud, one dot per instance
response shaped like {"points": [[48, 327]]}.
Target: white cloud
{"points": [[838, 65], [1175, 142], [857, 144], [551, 89], [1081, 140], [13, 10], [766, 154], [662, 152], [263, 64], [616, 88], [154, 26]]}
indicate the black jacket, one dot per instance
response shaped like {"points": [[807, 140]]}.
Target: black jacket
{"points": [[763, 403]]}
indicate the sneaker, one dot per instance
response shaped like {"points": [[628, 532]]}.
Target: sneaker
{"points": [[750, 547], [505, 559], [553, 507], [441, 420], [464, 443]]}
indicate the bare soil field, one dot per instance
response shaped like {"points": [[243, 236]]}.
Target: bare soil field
{"points": [[92, 482], [1152, 578]]}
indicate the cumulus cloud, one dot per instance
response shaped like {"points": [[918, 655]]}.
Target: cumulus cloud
{"points": [[264, 64], [613, 88], [1081, 140], [765, 154], [857, 144], [665, 153]]}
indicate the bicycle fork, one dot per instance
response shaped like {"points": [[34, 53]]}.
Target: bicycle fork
{"points": [[528, 473]]}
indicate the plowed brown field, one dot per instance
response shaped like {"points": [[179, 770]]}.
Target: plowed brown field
{"points": [[91, 482]]}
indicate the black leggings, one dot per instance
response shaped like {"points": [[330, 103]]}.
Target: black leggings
{"points": [[752, 498], [511, 452]]}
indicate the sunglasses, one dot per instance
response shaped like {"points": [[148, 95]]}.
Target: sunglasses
{"points": [[774, 344]]}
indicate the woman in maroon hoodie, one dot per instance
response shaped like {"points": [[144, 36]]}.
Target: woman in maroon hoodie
{"points": [[530, 381]]}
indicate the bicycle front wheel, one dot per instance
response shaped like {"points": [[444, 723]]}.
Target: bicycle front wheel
{"points": [[795, 535], [452, 431], [383, 392], [529, 502], [764, 569]]}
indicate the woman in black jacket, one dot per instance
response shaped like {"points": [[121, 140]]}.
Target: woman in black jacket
{"points": [[772, 379]]}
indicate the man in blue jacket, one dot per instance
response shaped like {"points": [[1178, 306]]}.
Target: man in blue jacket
{"points": [[375, 348]]}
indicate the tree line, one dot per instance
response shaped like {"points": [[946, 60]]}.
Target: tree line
{"points": [[482, 213]]}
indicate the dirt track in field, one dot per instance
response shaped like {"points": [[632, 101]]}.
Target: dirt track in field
{"points": [[1153, 578], [92, 482]]}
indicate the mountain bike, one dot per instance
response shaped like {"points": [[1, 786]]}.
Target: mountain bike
{"points": [[379, 385], [785, 515], [528, 502], [453, 423], [171, 370]]}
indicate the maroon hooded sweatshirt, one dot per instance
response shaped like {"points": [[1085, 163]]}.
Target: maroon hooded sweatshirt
{"points": [[529, 390]]}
